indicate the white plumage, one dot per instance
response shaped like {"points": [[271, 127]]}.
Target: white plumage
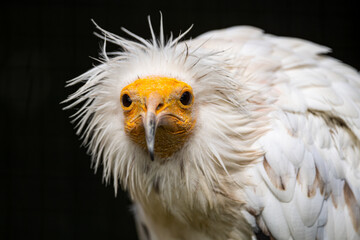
{"points": [[275, 148]]}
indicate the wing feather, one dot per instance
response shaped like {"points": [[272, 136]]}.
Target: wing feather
{"points": [[308, 182]]}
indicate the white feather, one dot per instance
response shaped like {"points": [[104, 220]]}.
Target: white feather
{"points": [[276, 145]]}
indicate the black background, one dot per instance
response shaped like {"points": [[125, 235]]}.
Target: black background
{"points": [[48, 190]]}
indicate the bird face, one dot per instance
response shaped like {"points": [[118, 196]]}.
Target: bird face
{"points": [[158, 114]]}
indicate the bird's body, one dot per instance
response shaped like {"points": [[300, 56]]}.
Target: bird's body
{"points": [[271, 142]]}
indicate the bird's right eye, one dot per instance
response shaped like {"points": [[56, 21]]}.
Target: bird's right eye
{"points": [[126, 100]]}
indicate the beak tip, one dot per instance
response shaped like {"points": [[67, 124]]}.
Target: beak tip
{"points": [[152, 155]]}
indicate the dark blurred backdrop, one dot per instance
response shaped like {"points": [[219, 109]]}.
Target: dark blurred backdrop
{"points": [[48, 190]]}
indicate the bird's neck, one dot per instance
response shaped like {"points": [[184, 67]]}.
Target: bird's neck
{"points": [[199, 206]]}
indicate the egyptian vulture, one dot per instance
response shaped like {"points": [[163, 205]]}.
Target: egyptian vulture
{"points": [[229, 135]]}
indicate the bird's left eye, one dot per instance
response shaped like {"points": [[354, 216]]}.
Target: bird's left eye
{"points": [[186, 98]]}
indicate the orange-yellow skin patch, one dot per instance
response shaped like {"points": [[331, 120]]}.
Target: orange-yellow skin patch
{"points": [[160, 95]]}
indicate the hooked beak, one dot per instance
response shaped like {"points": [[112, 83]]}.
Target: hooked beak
{"points": [[153, 103]]}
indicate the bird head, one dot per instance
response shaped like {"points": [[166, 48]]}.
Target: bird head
{"points": [[158, 114], [176, 103]]}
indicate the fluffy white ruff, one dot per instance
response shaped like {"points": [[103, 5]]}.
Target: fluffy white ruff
{"points": [[230, 117]]}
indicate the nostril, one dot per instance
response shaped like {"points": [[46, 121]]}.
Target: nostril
{"points": [[159, 106], [145, 104]]}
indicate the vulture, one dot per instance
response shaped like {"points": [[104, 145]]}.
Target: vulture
{"points": [[234, 134]]}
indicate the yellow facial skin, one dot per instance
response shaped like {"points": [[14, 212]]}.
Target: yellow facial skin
{"points": [[158, 114]]}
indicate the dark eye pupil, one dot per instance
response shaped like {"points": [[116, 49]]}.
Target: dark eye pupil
{"points": [[126, 100], [186, 98]]}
